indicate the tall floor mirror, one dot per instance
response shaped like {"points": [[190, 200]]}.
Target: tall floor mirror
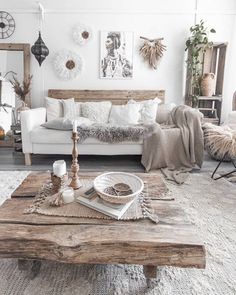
{"points": [[14, 60]]}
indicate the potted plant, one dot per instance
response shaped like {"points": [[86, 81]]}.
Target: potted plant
{"points": [[196, 45], [21, 91]]}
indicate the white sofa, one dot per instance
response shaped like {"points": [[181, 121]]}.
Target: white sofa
{"points": [[40, 140]]}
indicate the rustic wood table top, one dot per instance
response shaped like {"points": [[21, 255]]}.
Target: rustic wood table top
{"points": [[171, 242]]}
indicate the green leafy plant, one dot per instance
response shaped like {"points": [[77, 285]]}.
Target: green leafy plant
{"points": [[196, 44]]}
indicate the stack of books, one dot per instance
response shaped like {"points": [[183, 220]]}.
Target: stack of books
{"points": [[87, 196]]}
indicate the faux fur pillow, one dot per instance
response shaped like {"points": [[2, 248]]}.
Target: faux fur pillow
{"points": [[125, 114], [96, 111]]}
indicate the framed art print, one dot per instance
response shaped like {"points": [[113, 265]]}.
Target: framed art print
{"points": [[116, 55]]}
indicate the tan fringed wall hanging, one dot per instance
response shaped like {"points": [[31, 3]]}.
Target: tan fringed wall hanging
{"points": [[152, 51]]}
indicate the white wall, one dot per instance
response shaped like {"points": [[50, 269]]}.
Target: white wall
{"points": [[152, 18]]}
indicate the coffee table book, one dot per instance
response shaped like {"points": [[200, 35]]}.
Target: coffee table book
{"points": [[113, 210], [87, 196]]}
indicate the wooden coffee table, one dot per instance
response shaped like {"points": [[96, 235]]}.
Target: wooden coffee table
{"points": [[171, 242]]}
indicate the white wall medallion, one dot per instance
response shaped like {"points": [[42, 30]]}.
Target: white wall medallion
{"points": [[81, 34], [67, 64]]}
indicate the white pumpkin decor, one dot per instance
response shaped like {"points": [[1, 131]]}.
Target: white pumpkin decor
{"points": [[67, 64], [81, 34]]}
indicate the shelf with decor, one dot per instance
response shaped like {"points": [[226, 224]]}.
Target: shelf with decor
{"points": [[210, 106], [16, 134], [209, 102]]}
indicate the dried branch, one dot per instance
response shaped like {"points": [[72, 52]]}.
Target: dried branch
{"points": [[21, 90]]}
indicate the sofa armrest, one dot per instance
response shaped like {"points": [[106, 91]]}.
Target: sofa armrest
{"points": [[29, 120]]}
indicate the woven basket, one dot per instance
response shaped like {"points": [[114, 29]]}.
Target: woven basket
{"points": [[110, 179], [220, 142]]}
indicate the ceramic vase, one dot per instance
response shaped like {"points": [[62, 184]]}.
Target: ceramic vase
{"points": [[23, 107], [208, 84]]}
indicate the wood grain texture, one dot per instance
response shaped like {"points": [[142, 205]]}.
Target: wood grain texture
{"points": [[116, 96], [28, 160], [35, 180], [172, 242], [31, 184], [150, 271], [12, 212], [134, 244]]}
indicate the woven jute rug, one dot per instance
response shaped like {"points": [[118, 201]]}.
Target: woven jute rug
{"points": [[210, 205], [141, 208]]}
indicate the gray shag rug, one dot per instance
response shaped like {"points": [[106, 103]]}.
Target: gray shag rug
{"points": [[210, 205]]}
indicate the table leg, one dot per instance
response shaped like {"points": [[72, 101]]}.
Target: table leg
{"points": [[150, 272], [33, 266]]}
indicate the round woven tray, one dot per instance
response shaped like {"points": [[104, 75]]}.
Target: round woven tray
{"points": [[109, 179]]}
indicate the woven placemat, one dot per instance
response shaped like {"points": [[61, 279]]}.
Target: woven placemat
{"points": [[141, 208]]}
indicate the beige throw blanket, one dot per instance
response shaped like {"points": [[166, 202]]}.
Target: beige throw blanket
{"points": [[178, 149]]}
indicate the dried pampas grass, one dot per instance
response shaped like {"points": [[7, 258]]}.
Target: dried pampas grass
{"points": [[152, 51]]}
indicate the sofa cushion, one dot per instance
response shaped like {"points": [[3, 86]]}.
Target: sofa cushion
{"points": [[125, 114], [49, 136], [66, 123], [69, 108], [148, 110], [163, 112], [54, 108], [96, 111]]}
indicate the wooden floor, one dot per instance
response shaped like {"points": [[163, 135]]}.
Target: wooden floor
{"points": [[15, 161]]}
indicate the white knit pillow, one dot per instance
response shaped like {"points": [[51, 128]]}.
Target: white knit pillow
{"points": [[148, 110], [96, 111], [54, 108], [69, 108], [125, 114], [163, 112]]}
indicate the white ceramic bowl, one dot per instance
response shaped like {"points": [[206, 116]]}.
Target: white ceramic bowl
{"points": [[105, 180]]}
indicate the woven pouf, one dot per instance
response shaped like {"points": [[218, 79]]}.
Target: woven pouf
{"points": [[220, 141]]}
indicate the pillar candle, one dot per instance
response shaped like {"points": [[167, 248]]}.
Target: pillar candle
{"points": [[75, 124], [59, 168], [68, 195]]}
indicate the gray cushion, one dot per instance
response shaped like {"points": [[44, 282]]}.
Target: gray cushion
{"points": [[59, 124]]}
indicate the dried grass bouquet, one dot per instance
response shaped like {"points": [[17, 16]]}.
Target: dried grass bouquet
{"points": [[21, 90]]}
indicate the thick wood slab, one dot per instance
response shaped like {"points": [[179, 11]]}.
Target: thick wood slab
{"points": [[35, 180], [136, 244], [78, 240], [12, 212], [31, 185]]}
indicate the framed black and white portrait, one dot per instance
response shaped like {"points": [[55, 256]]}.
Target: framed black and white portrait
{"points": [[116, 55]]}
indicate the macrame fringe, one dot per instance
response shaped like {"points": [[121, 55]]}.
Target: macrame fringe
{"points": [[45, 192]]}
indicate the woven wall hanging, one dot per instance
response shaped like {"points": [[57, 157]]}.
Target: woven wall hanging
{"points": [[81, 34], [152, 51], [67, 64]]}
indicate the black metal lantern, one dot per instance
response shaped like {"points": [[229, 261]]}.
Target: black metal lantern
{"points": [[40, 50]]}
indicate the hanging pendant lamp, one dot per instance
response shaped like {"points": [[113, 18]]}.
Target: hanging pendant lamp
{"points": [[39, 49]]}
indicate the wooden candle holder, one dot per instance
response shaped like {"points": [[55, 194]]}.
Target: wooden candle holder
{"points": [[75, 182], [58, 182]]}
